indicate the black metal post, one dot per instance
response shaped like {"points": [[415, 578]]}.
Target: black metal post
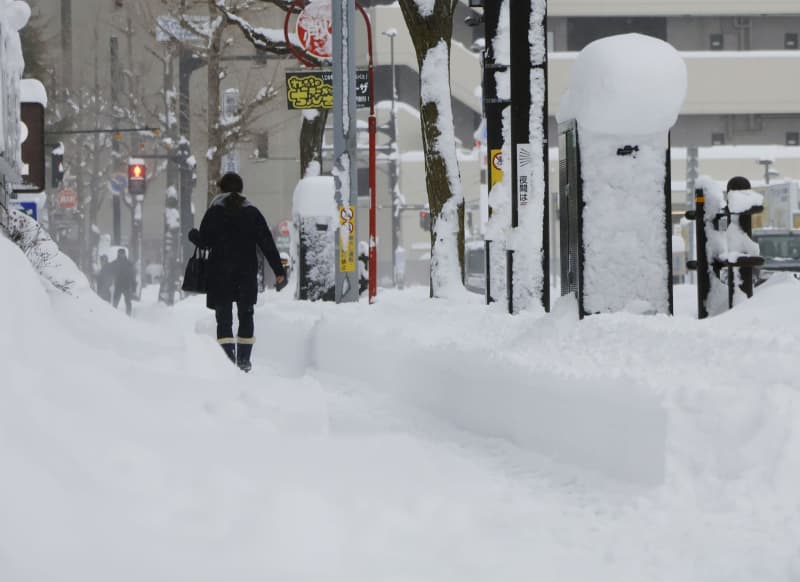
{"points": [[519, 30], [493, 108], [703, 278]]}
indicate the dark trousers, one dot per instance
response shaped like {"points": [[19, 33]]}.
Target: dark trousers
{"points": [[118, 293], [224, 313]]}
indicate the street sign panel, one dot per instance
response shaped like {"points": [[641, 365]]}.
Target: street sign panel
{"points": [[67, 198], [314, 89], [118, 183], [29, 208], [315, 30]]}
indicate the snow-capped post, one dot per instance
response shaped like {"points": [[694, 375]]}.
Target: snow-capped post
{"points": [[625, 94], [527, 253], [723, 229], [344, 146], [493, 107]]}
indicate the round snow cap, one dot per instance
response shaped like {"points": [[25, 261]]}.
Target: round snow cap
{"points": [[629, 84]]}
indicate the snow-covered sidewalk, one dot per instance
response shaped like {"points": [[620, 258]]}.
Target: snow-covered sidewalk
{"points": [[409, 440]]}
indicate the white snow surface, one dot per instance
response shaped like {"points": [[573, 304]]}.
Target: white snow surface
{"points": [[626, 84], [413, 439], [32, 91], [625, 242]]}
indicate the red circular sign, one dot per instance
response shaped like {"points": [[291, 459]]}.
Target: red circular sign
{"points": [[315, 29], [283, 228], [67, 198]]}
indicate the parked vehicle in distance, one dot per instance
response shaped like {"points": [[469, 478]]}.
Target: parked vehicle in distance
{"points": [[475, 266], [780, 249]]}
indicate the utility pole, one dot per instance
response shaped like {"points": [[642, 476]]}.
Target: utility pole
{"points": [[187, 64], [115, 165], [66, 43], [344, 142]]}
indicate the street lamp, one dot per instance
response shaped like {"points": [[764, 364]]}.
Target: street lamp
{"points": [[767, 162], [396, 276]]}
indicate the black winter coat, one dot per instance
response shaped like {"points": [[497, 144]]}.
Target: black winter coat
{"points": [[232, 228]]}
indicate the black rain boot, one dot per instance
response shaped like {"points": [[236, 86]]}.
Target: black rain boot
{"points": [[243, 350], [229, 347]]}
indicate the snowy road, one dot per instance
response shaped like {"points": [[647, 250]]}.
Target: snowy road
{"points": [[133, 451]]}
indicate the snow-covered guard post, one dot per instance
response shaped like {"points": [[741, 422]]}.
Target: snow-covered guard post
{"points": [[723, 241], [624, 96], [313, 234]]}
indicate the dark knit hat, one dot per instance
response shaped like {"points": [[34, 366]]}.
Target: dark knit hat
{"points": [[738, 183], [231, 182]]}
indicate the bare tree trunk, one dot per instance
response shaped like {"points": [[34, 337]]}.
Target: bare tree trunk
{"points": [[430, 33], [312, 133]]}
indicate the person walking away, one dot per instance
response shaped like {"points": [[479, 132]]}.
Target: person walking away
{"points": [[233, 229], [104, 279], [124, 280]]}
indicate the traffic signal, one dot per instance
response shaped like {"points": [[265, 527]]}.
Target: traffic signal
{"points": [[425, 219], [137, 178]]}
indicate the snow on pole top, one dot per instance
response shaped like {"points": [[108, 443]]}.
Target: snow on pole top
{"points": [[315, 196], [32, 91], [628, 84], [17, 13]]}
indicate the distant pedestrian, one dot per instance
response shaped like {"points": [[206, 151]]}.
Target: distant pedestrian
{"points": [[124, 280], [233, 229], [104, 278]]}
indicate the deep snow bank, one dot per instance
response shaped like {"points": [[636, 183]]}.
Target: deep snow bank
{"points": [[469, 373], [646, 399]]}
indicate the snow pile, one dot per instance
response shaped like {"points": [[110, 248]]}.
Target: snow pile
{"points": [[54, 266], [626, 84]]}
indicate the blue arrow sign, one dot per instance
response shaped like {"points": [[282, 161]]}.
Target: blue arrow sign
{"points": [[118, 183]]}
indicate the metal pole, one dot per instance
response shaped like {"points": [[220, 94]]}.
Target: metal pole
{"points": [[373, 204], [344, 141], [393, 165]]}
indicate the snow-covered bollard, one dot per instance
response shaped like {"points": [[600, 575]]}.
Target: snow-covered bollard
{"points": [[726, 254], [624, 96], [313, 234]]}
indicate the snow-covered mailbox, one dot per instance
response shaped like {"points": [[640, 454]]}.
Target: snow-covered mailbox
{"points": [[313, 244], [614, 182]]}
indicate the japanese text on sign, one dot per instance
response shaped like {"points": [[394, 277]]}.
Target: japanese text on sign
{"points": [[523, 175], [314, 89], [347, 239]]}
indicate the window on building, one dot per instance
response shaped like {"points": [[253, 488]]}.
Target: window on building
{"points": [[717, 139], [262, 146], [792, 138], [716, 42], [583, 30], [790, 40], [118, 3]]}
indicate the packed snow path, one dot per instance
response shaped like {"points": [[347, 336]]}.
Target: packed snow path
{"points": [[397, 442]]}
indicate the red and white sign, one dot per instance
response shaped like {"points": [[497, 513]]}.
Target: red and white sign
{"points": [[67, 198], [315, 29], [283, 228]]}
